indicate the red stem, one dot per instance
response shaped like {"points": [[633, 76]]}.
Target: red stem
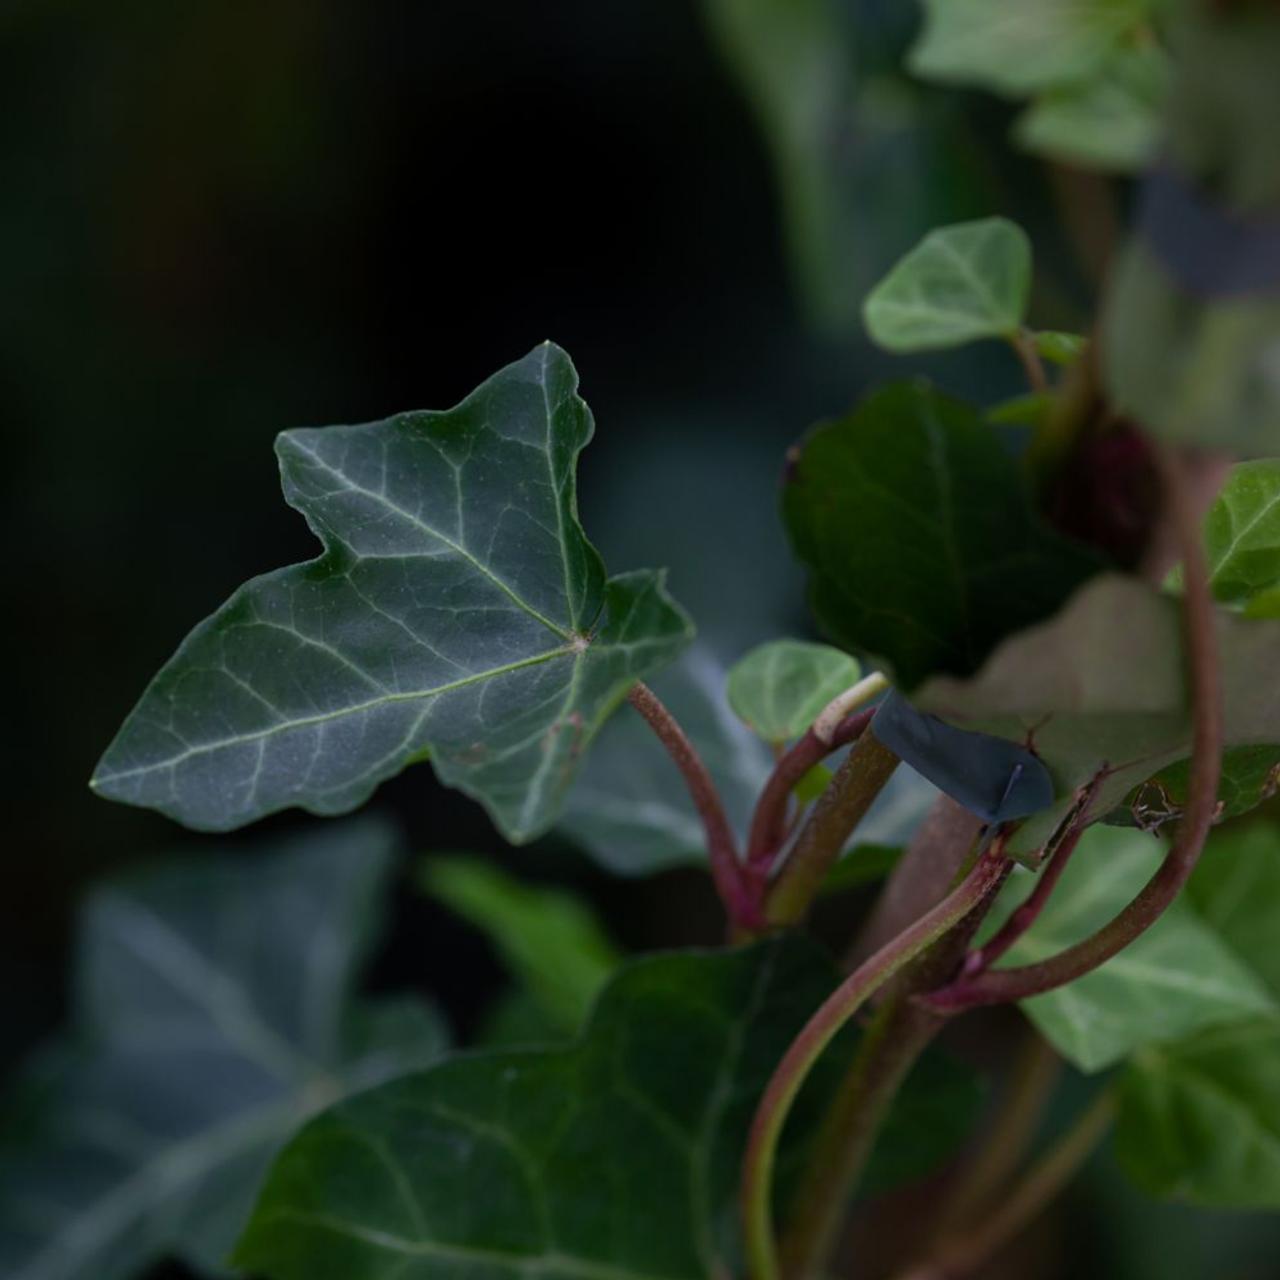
{"points": [[1026, 915], [997, 986], [722, 848]]}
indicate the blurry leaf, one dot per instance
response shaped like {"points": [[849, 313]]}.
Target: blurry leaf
{"points": [[457, 608], [920, 536], [1191, 323], [1266, 604], [1087, 692], [1060, 348], [1031, 409], [1019, 48], [866, 864], [1236, 889], [517, 1018], [549, 940], [959, 283], [813, 784], [864, 162], [1179, 976], [1250, 776], [1111, 121], [1198, 1119], [214, 1012], [617, 1155], [779, 688]]}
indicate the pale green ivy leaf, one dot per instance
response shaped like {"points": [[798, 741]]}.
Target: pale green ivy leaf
{"points": [[779, 688], [960, 283]]}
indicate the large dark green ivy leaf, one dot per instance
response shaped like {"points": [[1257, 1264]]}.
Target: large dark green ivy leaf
{"points": [[457, 609], [1103, 683], [920, 536], [613, 1158], [214, 1011]]}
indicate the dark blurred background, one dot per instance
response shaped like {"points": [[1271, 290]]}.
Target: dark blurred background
{"points": [[219, 220]]}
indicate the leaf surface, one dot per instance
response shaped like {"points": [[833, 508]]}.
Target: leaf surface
{"points": [[1200, 1120], [457, 610], [779, 688], [959, 283], [1179, 976], [1017, 49], [614, 1158], [214, 1012], [919, 534]]}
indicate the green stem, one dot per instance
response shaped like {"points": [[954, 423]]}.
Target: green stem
{"points": [[840, 808], [794, 1069]]}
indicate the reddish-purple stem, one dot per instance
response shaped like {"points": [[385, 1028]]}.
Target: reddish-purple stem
{"points": [[740, 903]]}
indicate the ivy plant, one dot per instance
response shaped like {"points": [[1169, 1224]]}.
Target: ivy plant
{"points": [[1057, 607]]}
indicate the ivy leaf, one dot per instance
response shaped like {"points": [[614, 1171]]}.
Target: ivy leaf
{"points": [[1087, 693], [1017, 49], [457, 610], [959, 283], [1112, 121], [617, 1156], [780, 688], [1060, 348], [1250, 776], [1198, 1119], [1242, 533], [213, 1013], [1178, 977], [919, 533], [1236, 889], [549, 940]]}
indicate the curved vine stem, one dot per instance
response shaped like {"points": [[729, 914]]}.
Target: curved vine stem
{"points": [[722, 848], [821, 1029], [996, 986]]}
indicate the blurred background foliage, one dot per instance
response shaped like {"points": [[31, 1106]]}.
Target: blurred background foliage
{"points": [[221, 220]]}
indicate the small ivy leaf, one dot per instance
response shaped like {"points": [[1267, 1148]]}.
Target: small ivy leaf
{"points": [[960, 283], [992, 777], [1060, 348], [457, 609], [1250, 776], [1031, 409], [1112, 121], [1198, 1118], [550, 941], [1018, 49], [1242, 533], [1095, 698], [918, 529], [214, 1012], [1179, 976], [502, 1153], [779, 688]]}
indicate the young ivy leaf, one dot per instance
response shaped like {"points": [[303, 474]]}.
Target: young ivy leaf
{"points": [[1242, 533], [1017, 49], [457, 609], [779, 688], [1179, 976], [960, 283], [919, 533], [614, 1158], [214, 1012]]}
